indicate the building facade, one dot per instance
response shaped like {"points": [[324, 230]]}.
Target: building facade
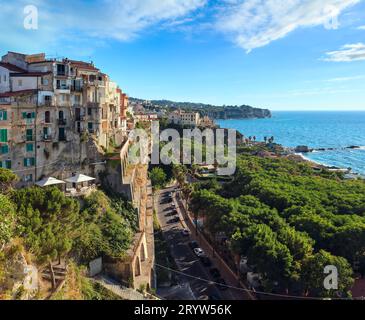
{"points": [[55, 115], [183, 118]]}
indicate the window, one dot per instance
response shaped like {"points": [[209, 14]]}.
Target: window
{"points": [[6, 165], [89, 110], [3, 115], [29, 135], [28, 178], [28, 115], [61, 70], [44, 81], [4, 77], [29, 147], [20, 82], [4, 149], [3, 135], [29, 162], [47, 117], [77, 99], [61, 134]]}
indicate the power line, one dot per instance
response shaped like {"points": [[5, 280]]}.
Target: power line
{"points": [[245, 290]]}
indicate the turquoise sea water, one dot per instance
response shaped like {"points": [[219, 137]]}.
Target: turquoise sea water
{"points": [[316, 130]]}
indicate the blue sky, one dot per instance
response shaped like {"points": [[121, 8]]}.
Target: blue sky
{"points": [[282, 55]]}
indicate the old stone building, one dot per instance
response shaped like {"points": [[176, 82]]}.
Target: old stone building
{"points": [[56, 115]]}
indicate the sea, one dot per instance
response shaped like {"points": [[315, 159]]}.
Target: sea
{"points": [[317, 130]]}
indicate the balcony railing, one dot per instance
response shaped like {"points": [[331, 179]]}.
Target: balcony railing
{"points": [[93, 104], [62, 122], [65, 87], [76, 88], [47, 137]]}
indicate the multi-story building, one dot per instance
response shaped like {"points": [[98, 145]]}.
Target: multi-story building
{"points": [[54, 114], [183, 118]]}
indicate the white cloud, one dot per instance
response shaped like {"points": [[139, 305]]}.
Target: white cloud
{"points": [[346, 79], [347, 53], [256, 23], [82, 20], [361, 28]]}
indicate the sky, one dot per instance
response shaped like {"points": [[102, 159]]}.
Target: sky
{"points": [[275, 54]]}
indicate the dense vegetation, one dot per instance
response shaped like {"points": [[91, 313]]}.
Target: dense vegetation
{"points": [[51, 225], [289, 221]]}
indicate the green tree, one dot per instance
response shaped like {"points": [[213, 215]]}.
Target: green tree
{"points": [[313, 275], [7, 220], [158, 178]]}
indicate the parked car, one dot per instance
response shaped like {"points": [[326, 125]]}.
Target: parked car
{"points": [[193, 245], [206, 261], [214, 297], [185, 233], [174, 220], [222, 285], [199, 252], [203, 297], [215, 273]]}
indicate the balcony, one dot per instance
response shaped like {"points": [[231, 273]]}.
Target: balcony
{"points": [[62, 122], [46, 137], [76, 88], [93, 105], [80, 118], [47, 103]]}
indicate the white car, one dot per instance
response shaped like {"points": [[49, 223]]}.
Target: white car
{"points": [[199, 252]]}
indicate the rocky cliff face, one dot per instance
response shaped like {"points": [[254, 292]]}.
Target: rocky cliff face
{"points": [[243, 112]]}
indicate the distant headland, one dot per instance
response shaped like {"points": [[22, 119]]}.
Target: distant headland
{"points": [[213, 111]]}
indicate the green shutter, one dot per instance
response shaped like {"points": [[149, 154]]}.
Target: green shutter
{"points": [[5, 115], [24, 115], [32, 161], [29, 147], [1, 164], [25, 162], [4, 149], [33, 115], [3, 135], [8, 164]]}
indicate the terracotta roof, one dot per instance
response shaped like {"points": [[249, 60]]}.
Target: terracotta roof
{"points": [[15, 93], [11, 67], [83, 65]]}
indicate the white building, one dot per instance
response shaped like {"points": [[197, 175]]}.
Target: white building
{"points": [[184, 118]]}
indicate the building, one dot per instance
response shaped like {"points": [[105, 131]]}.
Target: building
{"points": [[183, 118], [56, 115]]}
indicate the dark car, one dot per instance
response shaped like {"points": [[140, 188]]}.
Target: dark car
{"points": [[193, 245], [222, 285], [206, 261], [215, 273], [214, 297], [174, 220]]}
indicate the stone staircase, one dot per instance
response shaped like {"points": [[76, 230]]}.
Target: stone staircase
{"points": [[121, 291]]}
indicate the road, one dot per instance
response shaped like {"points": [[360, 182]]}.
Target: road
{"points": [[199, 279]]}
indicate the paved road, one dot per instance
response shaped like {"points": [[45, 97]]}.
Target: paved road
{"points": [[185, 259]]}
